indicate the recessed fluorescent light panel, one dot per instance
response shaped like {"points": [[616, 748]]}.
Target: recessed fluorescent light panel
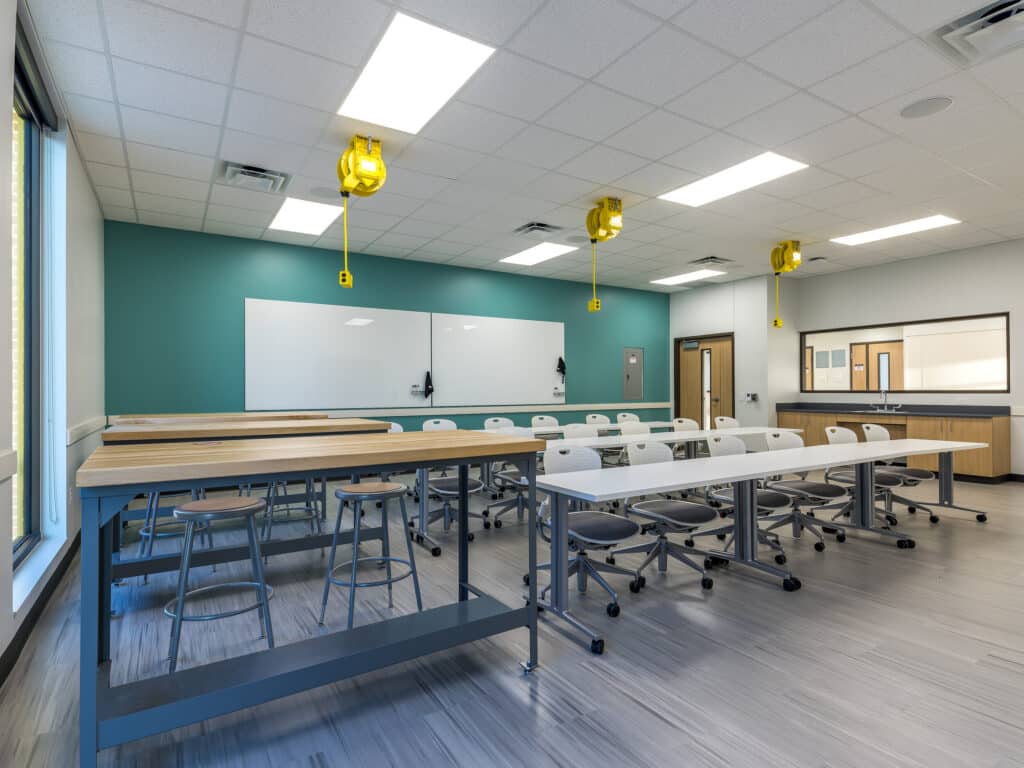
{"points": [[416, 68], [749, 173], [896, 230], [304, 216], [359, 322], [539, 253], [689, 277]]}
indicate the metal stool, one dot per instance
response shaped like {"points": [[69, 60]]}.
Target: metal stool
{"points": [[358, 493], [151, 526], [203, 512]]}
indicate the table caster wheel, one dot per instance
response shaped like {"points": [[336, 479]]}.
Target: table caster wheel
{"points": [[981, 518], [612, 609], [840, 537], [933, 519], [819, 546], [497, 523], [912, 510], [792, 584], [435, 552], [904, 543], [610, 559], [470, 537], [526, 579], [780, 559], [720, 536], [597, 646], [487, 524], [707, 582], [688, 542], [635, 586]]}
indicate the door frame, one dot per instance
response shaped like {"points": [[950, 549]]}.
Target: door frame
{"points": [[677, 390]]}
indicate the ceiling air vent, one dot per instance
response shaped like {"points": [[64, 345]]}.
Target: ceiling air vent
{"points": [[982, 34], [710, 261], [253, 178], [533, 227]]}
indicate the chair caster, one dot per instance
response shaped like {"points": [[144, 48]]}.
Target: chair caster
{"points": [[905, 544], [707, 582], [615, 505], [380, 505], [809, 514], [597, 646], [933, 519], [981, 518], [494, 497], [688, 542], [487, 524], [840, 537], [830, 530], [526, 579], [635, 586], [892, 520], [486, 513], [791, 584], [912, 510], [412, 523], [435, 552], [723, 513], [497, 523], [612, 609], [780, 559], [470, 537], [720, 536], [708, 563], [714, 503], [610, 559], [416, 498], [418, 538], [819, 546]]}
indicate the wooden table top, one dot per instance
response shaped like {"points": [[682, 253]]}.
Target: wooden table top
{"points": [[181, 418], [147, 463], [214, 430]]}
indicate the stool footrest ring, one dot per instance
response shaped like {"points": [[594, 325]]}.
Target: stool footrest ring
{"points": [[379, 582], [170, 608]]}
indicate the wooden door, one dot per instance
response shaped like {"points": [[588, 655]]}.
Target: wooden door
{"points": [[894, 351], [720, 360], [858, 367], [688, 382], [808, 369], [704, 379]]}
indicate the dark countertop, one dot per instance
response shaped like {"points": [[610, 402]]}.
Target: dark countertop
{"points": [[964, 411]]}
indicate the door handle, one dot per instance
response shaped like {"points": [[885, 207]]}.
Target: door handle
{"points": [[715, 399]]}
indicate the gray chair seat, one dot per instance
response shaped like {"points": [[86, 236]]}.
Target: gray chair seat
{"points": [[449, 486], [810, 489], [602, 529], [766, 499], [910, 473], [512, 476], [685, 514], [884, 479]]}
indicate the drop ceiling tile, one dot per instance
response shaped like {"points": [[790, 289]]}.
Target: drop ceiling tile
{"points": [[161, 91], [594, 113], [655, 179], [542, 147], [247, 149], [437, 159], [313, 189], [159, 160], [108, 175], [171, 132], [650, 233], [116, 197], [800, 183], [322, 27], [465, 125], [875, 211], [92, 115], [582, 39], [99, 149], [663, 9], [119, 213], [340, 131], [816, 224], [658, 134], [425, 230], [925, 15], [743, 26], [243, 216], [163, 38], [245, 198], [365, 219], [226, 12], [290, 75], [145, 201], [171, 186], [837, 195], [516, 86], [712, 154], [468, 236], [323, 165], [444, 214], [443, 247], [386, 202], [898, 70], [664, 65], [396, 240], [873, 158], [357, 236], [655, 210], [839, 38], [486, 21], [154, 219], [1003, 73], [275, 119], [423, 254], [798, 115], [731, 95], [559, 188], [231, 230], [68, 21], [77, 70], [473, 197], [602, 164], [289, 238], [832, 141]]}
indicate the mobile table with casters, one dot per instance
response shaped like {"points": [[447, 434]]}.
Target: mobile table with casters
{"points": [[742, 472], [114, 475]]}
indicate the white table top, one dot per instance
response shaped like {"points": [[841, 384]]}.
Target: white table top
{"points": [[600, 485], [672, 438]]}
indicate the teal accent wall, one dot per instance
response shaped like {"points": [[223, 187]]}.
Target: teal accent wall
{"points": [[175, 321]]}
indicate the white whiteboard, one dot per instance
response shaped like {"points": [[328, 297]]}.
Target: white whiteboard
{"points": [[319, 356], [495, 361]]}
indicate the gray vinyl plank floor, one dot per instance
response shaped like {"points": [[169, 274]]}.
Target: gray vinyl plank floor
{"points": [[886, 657]]}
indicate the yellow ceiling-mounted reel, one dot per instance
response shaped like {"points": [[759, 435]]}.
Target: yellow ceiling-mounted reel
{"points": [[604, 222], [361, 172], [785, 258]]}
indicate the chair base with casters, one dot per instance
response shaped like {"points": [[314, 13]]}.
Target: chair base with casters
{"points": [[507, 480], [803, 493], [911, 477], [768, 502], [447, 489], [356, 495], [668, 516], [885, 482], [204, 512]]}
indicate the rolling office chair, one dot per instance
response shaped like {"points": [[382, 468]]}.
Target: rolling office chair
{"points": [[588, 529], [597, 418], [543, 421], [768, 501], [446, 488], [509, 478], [617, 456], [685, 425], [498, 422], [803, 492], [634, 428], [623, 417], [884, 481], [495, 424], [570, 431], [665, 516], [912, 476], [725, 422]]}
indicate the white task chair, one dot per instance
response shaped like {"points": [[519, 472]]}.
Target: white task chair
{"points": [[622, 417], [579, 430], [498, 422], [543, 421], [509, 478], [845, 475], [447, 488], [912, 476], [804, 492], [588, 529], [634, 428], [685, 425], [439, 425], [666, 516], [598, 418], [725, 422]]}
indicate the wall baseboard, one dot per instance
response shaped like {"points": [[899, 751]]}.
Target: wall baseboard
{"points": [[85, 428], [21, 635]]}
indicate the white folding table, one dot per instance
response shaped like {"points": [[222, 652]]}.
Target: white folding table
{"points": [[671, 438], [743, 472]]}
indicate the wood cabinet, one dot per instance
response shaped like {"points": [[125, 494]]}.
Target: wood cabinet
{"points": [[993, 461]]}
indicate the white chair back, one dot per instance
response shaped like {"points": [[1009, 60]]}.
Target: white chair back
{"points": [[498, 422], [634, 428], [571, 460], [778, 441], [726, 445], [624, 417], [439, 425], [684, 425], [725, 422], [598, 418], [544, 421], [579, 430], [517, 431], [395, 427], [840, 436], [649, 453], [873, 433]]}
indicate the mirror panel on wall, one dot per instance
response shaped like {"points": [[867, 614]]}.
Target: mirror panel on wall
{"points": [[959, 354]]}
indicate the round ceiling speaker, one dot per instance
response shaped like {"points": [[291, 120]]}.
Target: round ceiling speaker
{"points": [[926, 107]]}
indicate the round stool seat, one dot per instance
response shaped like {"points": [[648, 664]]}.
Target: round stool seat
{"points": [[220, 508], [449, 486], [370, 491]]}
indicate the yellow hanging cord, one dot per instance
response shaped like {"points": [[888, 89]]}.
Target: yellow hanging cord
{"points": [[345, 277], [344, 229], [593, 266], [778, 319]]}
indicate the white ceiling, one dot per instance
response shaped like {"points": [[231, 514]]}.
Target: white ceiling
{"points": [[583, 98]]}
